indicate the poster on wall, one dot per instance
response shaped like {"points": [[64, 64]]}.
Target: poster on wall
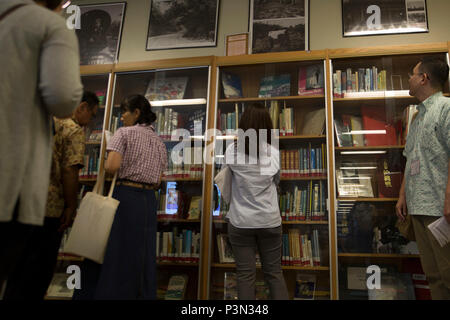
{"points": [[279, 25], [176, 24], [100, 32], [375, 17]]}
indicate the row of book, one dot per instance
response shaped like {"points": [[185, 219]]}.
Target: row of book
{"points": [[362, 80], [304, 203], [310, 82], [309, 161], [91, 163], [371, 128], [116, 123], [301, 250], [178, 245], [190, 163]]}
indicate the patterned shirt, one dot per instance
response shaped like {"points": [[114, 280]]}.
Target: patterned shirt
{"points": [[144, 154], [68, 150], [427, 151]]}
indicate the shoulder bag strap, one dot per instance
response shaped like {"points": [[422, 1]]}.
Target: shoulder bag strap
{"points": [[11, 10]]}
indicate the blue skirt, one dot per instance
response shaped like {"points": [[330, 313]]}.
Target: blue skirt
{"points": [[129, 268]]}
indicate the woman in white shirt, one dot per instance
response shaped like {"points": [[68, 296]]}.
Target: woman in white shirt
{"points": [[254, 221]]}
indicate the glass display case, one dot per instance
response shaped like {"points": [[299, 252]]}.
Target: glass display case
{"points": [[179, 98], [294, 94], [372, 111]]}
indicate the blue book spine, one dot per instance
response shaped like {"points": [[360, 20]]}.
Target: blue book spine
{"points": [[313, 160]]}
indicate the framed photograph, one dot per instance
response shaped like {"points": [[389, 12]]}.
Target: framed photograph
{"points": [[176, 24], [279, 25], [375, 17], [100, 32]]}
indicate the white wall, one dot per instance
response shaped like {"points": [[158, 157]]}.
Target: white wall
{"points": [[325, 29]]}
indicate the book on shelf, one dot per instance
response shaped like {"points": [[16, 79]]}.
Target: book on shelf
{"points": [[356, 125], [343, 135], [352, 184], [389, 177], [409, 114], [286, 121], [304, 162], [305, 286], [275, 86], [91, 163], [311, 80], [230, 286], [314, 122], [195, 208], [176, 289], [224, 248], [232, 87], [262, 291], [300, 250], [348, 81], [305, 203], [58, 286], [178, 245], [166, 88], [189, 165]]}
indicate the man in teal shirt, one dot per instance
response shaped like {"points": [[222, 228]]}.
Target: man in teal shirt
{"points": [[425, 190]]}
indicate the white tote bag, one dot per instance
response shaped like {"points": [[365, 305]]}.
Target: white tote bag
{"points": [[92, 225], [223, 181]]}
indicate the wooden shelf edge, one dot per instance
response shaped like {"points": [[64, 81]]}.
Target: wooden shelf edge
{"points": [[367, 199], [232, 100], [284, 222], [365, 148], [377, 255], [232, 265]]}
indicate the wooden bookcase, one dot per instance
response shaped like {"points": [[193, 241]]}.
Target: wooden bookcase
{"points": [[205, 72]]}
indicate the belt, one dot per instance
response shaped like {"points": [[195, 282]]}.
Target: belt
{"points": [[139, 185]]}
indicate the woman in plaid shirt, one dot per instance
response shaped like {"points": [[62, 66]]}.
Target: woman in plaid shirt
{"points": [[140, 157]]}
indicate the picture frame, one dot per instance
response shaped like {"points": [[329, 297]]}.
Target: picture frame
{"points": [[236, 44], [378, 17], [277, 26], [101, 31], [180, 24]]}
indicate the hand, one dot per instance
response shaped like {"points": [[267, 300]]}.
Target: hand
{"points": [[66, 219], [401, 209]]}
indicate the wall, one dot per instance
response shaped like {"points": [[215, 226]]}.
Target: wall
{"points": [[325, 29]]}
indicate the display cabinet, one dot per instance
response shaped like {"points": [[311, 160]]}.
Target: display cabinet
{"points": [[292, 87], [179, 98], [372, 111]]}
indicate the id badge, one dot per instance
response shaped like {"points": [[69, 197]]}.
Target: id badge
{"points": [[415, 167]]}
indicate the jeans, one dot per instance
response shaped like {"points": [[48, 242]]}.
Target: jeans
{"points": [[269, 243]]}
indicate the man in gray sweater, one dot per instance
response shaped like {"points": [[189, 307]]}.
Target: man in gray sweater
{"points": [[39, 78]]}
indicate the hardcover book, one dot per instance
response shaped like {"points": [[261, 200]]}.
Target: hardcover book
{"points": [[314, 122], [310, 80], [275, 86], [375, 119], [166, 88], [232, 87], [195, 208], [305, 287], [176, 287]]}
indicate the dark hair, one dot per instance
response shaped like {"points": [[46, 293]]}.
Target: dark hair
{"points": [[91, 99], [436, 69], [50, 4], [138, 101], [256, 117]]}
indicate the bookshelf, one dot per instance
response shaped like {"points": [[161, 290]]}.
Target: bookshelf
{"points": [[177, 90], [206, 277], [370, 116], [249, 76]]}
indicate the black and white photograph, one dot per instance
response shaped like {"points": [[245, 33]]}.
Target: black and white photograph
{"points": [[279, 25], [376, 17], [100, 33], [176, 24]]}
